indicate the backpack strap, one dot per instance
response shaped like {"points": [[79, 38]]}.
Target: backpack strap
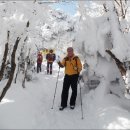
{"points": [[75, 58], [66, 59]]}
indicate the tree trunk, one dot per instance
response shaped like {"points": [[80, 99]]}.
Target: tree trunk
{"points": [[118, 63], [13, 66], [4, 61], [23, 83], [16, 74], [4, 57]]}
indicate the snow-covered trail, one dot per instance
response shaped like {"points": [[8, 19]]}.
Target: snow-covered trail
{"points": [[31, 108]]}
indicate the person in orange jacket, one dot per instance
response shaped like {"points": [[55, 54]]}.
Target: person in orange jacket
{"points": [[50, 57], [73, 67]]}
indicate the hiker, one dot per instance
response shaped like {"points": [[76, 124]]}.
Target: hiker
{"points": [[50, 57], [39, 61], [73, 67]]}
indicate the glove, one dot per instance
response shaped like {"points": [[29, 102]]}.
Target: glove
{"points": [[80, 77]]}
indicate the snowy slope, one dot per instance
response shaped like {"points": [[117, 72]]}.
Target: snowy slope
{"points": [[31, 107]]}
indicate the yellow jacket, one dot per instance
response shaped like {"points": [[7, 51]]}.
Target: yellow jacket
{"points": [[72, 65]]}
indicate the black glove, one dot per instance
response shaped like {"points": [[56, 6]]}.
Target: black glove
{"points": [[80, 77]]}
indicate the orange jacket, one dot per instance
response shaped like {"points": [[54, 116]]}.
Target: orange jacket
{"points": [[72, 65]]}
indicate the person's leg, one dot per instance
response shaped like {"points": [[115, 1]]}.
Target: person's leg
{"points": [[65, 91], [74, 81], [37, 68], [47, 67], [50, 68], [40, 67]]}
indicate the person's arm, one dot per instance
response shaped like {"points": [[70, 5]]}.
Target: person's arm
{"points": [[54, 57], [61, 64]]}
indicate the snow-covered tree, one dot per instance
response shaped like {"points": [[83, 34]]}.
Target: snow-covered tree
{"points": [[19, 19], [36, 30], [97, 35]]}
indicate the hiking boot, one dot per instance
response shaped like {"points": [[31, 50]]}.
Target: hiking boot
{"points": [[72, 107], [62, 108]]}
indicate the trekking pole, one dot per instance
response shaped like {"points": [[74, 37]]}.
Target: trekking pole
{"points": [[81, 100], [55, 89]]}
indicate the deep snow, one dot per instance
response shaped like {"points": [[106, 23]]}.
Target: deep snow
{"points": [[30, 108]]}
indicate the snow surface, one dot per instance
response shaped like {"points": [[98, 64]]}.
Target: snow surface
{"points": [[30, 108]]}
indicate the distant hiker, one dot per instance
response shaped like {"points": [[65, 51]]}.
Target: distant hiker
{"points": [[73, 67], [50, 57], [39, 61]]}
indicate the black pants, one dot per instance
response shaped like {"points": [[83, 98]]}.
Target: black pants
{"points": [[38, 67], [69, 81], [49, 67]]}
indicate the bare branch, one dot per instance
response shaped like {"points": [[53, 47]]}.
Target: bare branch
{"points": [[34, 1], [118, 63], [117, 2], [105, 8], [122, 10]]}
